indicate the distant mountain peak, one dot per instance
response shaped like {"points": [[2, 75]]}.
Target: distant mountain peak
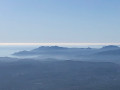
{"points": [[49, 48], [111, 47]]}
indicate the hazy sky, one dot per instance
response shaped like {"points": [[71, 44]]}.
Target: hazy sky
{"points": [[73, 21]]}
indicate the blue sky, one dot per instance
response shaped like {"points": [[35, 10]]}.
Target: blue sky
{"points": [[60, 21]]}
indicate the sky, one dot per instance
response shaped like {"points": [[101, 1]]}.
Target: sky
{"points": [[59, 21]]}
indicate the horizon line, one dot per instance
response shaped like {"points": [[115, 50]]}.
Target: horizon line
{"points": [[59, 44]]}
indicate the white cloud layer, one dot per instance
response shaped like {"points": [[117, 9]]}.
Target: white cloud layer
{"points": [[61, 44]]}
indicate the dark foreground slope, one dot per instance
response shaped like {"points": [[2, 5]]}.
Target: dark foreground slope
{"points": [[59, 75]]}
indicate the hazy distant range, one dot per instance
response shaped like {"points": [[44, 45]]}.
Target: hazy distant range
{"points": [[109, 53], [96, 53], [8, 50]]}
